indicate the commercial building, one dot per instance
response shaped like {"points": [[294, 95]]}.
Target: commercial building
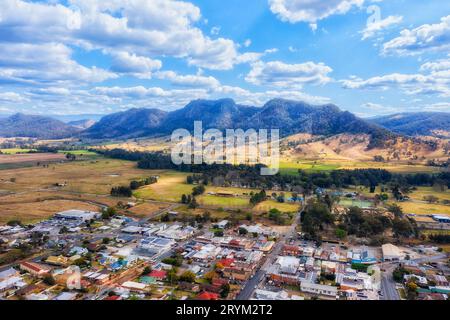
{"points": [[391, 252], [78, 215], [155, 245], [319, 289]]}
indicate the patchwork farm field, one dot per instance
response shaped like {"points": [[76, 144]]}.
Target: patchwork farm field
{"points": [[30, 193]]}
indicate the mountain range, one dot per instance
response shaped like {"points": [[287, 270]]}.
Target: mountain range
{"points": [[289, 116], [415, 124], [21, 125]]}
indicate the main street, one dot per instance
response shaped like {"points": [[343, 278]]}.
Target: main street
{"points": [[260, 275]]}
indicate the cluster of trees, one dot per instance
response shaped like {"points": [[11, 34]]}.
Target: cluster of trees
{"points": [[361, 224], [355, 222], [198, 190], [108, 213], [440, 238], [190, 201], [136, 184], [176, 260], [278, 217], [317, 217], [122, 191], [258, 197]]}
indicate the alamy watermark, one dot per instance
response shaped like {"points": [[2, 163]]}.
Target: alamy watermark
{"points": [[237, 146]]}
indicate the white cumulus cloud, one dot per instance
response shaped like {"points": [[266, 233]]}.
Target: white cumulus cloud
{"points": [[280, 74], [428, 37], [311, 11]]}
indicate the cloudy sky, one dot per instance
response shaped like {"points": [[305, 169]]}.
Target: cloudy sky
{"points": [[370, 57]]}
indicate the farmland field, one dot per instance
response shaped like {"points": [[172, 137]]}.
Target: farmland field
{"points": [[30, 212], [30, 157], [224, 202], [424, 208], [94, 177], [79, 152], [15, 151], [271, 204], [145, 210], [170, 187], [427, 191], [291, 167]]}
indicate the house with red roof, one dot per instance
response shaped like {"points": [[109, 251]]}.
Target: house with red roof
{"points": [[205, 295], [35, 269], [226, 262], [113, 298], [158, 274]]}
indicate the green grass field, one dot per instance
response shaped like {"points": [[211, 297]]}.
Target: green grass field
{"points": [[271, 204], [427, 191], [79, 152], [15, 151], [355, 203], [224, 202], [292, 167], [424, 208], [170, 187]]}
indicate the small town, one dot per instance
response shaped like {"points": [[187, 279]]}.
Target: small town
{"points": [[221, 159], [80, 255]]}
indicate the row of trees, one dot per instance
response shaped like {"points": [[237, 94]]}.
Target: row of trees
{"points": [[249, 176], [136, 184], [121, 191]]}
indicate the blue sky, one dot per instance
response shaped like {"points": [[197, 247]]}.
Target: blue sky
{"points": [[371, 57]]}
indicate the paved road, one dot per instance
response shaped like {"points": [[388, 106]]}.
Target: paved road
{"points": [[388, 285], [251, 285]]}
